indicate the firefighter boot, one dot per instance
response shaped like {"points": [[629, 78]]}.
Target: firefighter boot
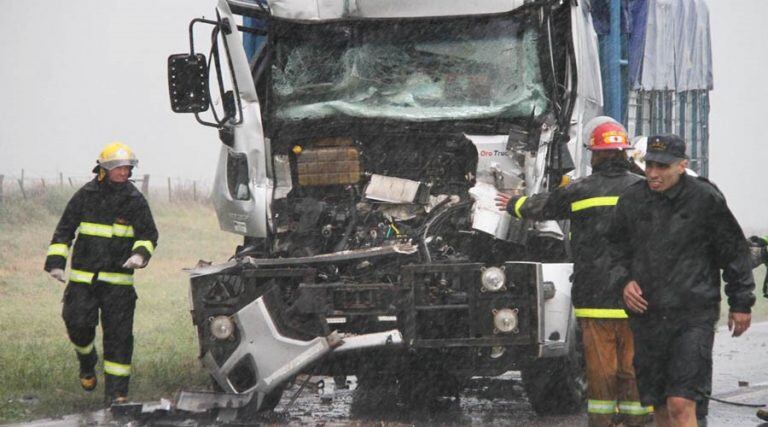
{"points": [[115, 389], [762, 414], [87, 370], [119, 400], [88, 381]]}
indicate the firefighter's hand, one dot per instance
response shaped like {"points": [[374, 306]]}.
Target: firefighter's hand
{"points": [[633, 298], [502, 200], [57, 274], [135, 261], [739, 323]]}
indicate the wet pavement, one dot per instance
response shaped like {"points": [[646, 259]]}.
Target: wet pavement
{"points": [[741, 376], [740, 360]]}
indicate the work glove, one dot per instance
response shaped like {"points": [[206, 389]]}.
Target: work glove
{"points": [[135, 261], [57, 274]]}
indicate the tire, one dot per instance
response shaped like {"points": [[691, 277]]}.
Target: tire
{"points": [[422, 387], [375, 395], [557, 386]]}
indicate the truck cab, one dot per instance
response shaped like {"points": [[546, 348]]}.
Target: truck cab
{"points": [[362, 145]]}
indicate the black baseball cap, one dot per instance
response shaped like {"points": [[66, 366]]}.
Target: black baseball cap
{"points": [[666, 149]]}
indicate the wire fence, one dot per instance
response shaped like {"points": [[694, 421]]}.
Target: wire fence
{"points": [[26, 186]]}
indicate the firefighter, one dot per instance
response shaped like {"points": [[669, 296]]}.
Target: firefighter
{"points": [[671, 236], [589, 204], [115, 235]]}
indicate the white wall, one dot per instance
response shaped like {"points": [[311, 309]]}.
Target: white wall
{"points": [[738, 118]]}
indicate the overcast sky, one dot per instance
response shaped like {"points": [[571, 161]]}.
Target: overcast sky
{"points": [[78, 74]]}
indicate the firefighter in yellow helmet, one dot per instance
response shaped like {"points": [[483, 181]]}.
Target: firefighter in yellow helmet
{"points": [[108, 231]]}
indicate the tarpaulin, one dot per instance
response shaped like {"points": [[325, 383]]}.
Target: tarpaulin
{"points": [[638, 12], [676, 54], [601, 16]]}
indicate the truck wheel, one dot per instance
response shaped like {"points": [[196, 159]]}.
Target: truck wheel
{"points": [[422, 387], [557, 386], [375, 394]]}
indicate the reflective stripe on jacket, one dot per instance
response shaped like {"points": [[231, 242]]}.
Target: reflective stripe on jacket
{"points": [[589, 204], [106, 224]]}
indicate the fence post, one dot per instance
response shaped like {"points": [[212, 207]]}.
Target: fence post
{"points": [[194, 190], [21, 186], [169, 188], [145, 185], [71, 184], [42, 181], [61, 179], [2, 177]]}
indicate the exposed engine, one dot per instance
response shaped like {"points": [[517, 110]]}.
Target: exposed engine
{"points": [[351, 194]]}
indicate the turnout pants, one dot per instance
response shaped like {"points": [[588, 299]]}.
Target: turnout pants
{"points": [[612, 389], [116, 303]]}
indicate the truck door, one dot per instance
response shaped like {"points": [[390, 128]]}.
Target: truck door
{"points": [[242, 189], [220, 92]]}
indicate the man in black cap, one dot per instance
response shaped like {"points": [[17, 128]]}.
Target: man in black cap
{"points": [[672, 234]]}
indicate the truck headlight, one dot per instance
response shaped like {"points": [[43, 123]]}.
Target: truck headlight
{"points": [[492, 279], [505, 320], [222, 327]]}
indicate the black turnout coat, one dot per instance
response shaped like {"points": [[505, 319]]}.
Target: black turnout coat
{"points": [[107, 223], [589, 204]]}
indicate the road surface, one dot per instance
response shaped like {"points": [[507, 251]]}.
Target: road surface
{"points": [[741, 375]]}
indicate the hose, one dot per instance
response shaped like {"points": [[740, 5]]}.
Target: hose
{"points": [[727, 402], [438, 218]]}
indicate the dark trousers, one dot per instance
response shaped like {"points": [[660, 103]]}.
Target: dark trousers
{"points": [[116, 303], [673, 355]]}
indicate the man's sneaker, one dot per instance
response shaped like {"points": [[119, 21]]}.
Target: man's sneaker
{"points": [[88, 381], [762, 414]]}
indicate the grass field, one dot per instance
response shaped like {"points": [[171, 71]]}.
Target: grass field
{"points": [[38, 368]]}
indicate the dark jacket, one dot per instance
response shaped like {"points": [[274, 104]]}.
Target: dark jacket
{"points": [[589, 204], [112, 223], [675, 243]]}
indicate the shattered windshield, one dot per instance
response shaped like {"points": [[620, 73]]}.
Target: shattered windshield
{"points": [[425, 70]]}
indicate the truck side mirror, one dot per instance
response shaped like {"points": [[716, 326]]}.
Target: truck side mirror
{"points": [[188, 83]]}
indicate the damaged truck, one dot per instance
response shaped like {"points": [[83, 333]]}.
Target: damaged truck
{"points": [[362, 145]]}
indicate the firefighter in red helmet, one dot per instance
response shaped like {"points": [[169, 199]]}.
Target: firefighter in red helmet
{"points": [[589, 204]]}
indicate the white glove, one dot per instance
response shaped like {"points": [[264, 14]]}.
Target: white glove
{"points": [[57, 274], [135, 261]]}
